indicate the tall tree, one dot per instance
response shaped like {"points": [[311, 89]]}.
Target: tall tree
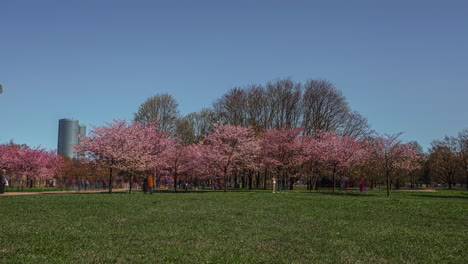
{"points": [[194, 126], [443, 160], [355, 125], [231, 107], [325, 108], [162, 107], [462, 146], [284, 98]]}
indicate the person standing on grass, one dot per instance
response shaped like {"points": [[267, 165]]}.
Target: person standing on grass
{"points": [[3, 181], [135, 183], [151, 184], [362, 186], [145, 185]]}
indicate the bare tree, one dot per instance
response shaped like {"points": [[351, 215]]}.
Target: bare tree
{"points": [[231, 107], [164, 108], [257, 111], [443, 162], [355, 125], [462, 150], [325, 108], [185, 132], [198, 124], [284, 98]]}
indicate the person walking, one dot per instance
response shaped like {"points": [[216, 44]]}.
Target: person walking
{"points": [[145, 185], [151, 184]]}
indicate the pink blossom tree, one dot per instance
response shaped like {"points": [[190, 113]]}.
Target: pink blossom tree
{"points": [[312, 162], [340, 152], [125, 146], [180, 161], [30, 164], [8, 157], [393, 155], [282, 153], [226, 147]]}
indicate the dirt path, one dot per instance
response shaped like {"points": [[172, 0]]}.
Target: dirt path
{"points": [[55, 192], [425, 190]]}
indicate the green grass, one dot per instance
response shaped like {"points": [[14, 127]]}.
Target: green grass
{"points": [[235, 227]]}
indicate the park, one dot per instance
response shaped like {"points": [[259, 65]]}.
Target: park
{"points": [[235, 227], [140, 193], [234, 132]]}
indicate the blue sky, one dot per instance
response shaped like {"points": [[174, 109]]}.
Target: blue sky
{"points": [[402, 64]]}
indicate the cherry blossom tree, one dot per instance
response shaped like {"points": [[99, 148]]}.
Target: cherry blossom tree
{"points": [[226, 147], [312, 161], [340, 152], [281, 152], [394, 155], [30, 164], [179, 161], [125, 146], [8, 157]]}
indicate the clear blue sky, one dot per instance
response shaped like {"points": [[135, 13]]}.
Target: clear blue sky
{"points": [[402, 64]]}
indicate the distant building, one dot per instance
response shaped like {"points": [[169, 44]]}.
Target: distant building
{"points": [[68, 131]]}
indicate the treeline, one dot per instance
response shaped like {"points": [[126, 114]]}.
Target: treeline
{"points": [[313, 106], [274, 135], [231, 156], [284, 104], [22, 166]]}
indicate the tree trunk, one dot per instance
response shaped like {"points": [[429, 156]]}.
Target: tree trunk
{"points": [[314, 182], [397, 184], [466, 172], [259, 175], [110, 180], [388, 184], [175, 182], [225, 180], [131, 184], [334, 172]]}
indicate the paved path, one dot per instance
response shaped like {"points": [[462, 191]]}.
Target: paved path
{"points": [[55, 192]]}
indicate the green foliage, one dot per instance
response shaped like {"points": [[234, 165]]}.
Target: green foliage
{"points": [[235, 227]]}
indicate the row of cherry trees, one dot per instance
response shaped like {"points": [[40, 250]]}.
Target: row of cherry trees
{"points": [[25, 164], [230, 153]]}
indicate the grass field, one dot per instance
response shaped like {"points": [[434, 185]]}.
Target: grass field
{"points": [[235, 227]]}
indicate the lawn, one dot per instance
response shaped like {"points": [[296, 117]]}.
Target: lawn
{"points": [[235, 227]]}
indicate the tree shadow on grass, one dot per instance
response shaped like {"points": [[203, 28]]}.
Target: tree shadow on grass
{"points": [[440, 196]]}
